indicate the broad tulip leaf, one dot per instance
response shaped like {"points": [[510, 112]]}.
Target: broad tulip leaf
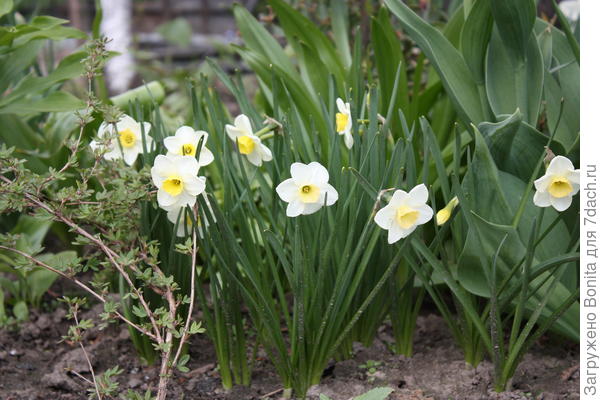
{"points": [[516, 146], [475, 37], [484, 240], [339, 26], [6, 6], [561, 83], [296, 25], [257, 38], [515, 19], [21, 311], [492, 198], [70, 67], [387, 49], [13, 64], [510, 86], [447, 61], [57, 101]]}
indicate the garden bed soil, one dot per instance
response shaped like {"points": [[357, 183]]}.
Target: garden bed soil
{"points": [[33, 363]]}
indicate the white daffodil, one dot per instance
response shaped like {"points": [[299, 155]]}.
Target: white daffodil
{"points": [[404, 213], [248, 143], [343, 122], [185, 220], [307, 190], [177, 181], [185, 143], [558, 185], [129, 136]]}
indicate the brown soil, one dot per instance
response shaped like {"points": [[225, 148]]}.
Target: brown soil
{"points": [[33, 362]]}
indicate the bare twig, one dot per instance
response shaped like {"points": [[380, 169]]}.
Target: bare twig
{"points": [[81, 285]]}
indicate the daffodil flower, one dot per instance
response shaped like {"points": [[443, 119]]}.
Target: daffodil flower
{"points": [[307, 190], [129, 143], [248, 143], [404, 213], [185, 143], [445, 213], [558, 185], [343, 122], [177, 181]]}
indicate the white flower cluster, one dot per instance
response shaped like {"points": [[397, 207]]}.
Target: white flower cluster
{"points": [[307, 190]]}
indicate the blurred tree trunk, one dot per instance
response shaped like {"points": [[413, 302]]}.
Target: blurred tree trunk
{"points": [[116, 25]]}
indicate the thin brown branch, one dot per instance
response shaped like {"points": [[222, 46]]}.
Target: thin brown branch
{"points": [[81, 285]]}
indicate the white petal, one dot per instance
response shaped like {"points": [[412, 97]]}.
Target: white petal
{"points": [[194, 185], [573, 176], [287, 190], [385, 217], [104, 129], [187, 165], [341, 106], [147, 127], [396, 233], [266, 154], [294, 208], [255, 158], [319, 174], [398, 198], [165, 199], [149, 142], [163, 166], [113, 154], [330, 195], [425, 214], [418, 195], [242, 122], [187, 134], [94, 145], [575, 188], [126, 122], [233, 132], [561, 204], [348, 139], [311, 208], [173, 144], [206, 157], [130, 156], [301, 173], [560, 166], [541, 199], [173, 214], [541, 184]]}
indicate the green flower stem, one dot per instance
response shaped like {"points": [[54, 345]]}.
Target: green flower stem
{"points": [[264, 132]]}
